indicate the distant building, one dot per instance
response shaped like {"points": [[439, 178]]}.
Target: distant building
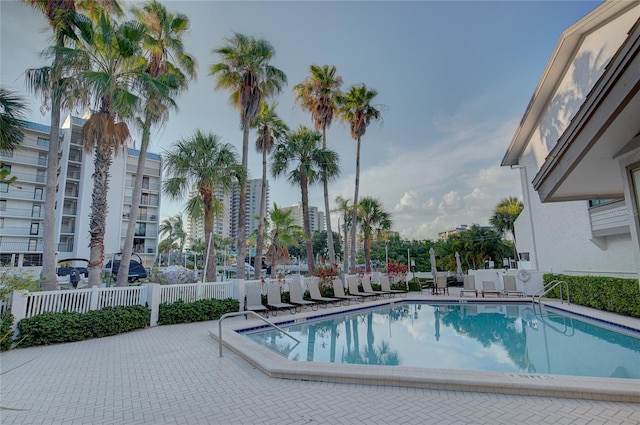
{"points": [[443, 236], [316, 217], [22, 202], [577, 150]]}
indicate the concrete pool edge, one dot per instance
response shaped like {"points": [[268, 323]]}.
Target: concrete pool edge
{"points": [[529, 384]]}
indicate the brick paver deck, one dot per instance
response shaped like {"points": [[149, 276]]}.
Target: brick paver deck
{"points": [[172, 375]]}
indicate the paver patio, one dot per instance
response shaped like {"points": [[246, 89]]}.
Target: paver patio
{"points": [[172, 375]]}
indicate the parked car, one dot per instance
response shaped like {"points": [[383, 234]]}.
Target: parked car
{"points": [[136, 269], [73, 270]]}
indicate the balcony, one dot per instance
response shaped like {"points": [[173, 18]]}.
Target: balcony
{"points": [[610, 219], [19, 231], [29, 195], [39, 177], [7, 247], [22, 213], [25, 160], [153, 187]]}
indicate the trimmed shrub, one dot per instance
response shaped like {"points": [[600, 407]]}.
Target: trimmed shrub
{"points": [[52, 328], [6, 333], [621, 296], [198, 311]]}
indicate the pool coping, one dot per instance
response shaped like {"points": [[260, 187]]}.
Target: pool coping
{"points": [[516, 383]]}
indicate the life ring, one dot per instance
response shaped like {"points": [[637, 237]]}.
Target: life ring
{"points": [[523, 275]]}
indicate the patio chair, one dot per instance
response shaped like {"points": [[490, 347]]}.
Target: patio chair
{"points": [[510, 287], [469, 285], [386, 286], [314, 291], [295, 297], [352, 282], [254, 301], [366, 286], [489, 288], [338, 292], [274, 300], [441, 285]]}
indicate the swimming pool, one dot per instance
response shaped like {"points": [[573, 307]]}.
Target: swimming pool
{"points": [[493, 337]]}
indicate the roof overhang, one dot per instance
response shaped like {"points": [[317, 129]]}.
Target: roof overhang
{"points": [[561, 59], [583, 164]]}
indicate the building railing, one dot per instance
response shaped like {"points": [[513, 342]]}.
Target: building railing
{"points": [[19, 231], [22, 213], [22, 194]]}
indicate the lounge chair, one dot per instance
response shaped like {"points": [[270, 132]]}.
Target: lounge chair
{"points": [[295, 297], [352, 282], [366, 285], [274, 300], [338, 292], [510, 287], [469, 285], [254, 301], [386, 286], [314, 291], [441, 285], [489, 288]]}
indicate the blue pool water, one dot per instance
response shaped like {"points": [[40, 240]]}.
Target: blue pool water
{"points": [[471, 336]]}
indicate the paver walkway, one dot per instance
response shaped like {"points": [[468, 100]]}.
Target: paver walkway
{"points": [[172, 375]]}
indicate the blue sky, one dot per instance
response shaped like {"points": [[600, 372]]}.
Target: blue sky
{"points": [[454, 77]]}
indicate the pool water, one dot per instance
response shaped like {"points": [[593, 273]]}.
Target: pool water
{"points": [[470, 336]]}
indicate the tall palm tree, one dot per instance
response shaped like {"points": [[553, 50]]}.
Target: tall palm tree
{"points": [[283, 233], [373, 219], [504, 218], [174, 228], [346, 209], [317, 94], [51, 83], [110, 67], [205, 161], [167, 64], [302, 151], [271, 129], [357, 110], [166, 229], [245, 71]]}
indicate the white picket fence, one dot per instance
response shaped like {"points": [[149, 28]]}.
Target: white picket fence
{"points": [[26, 304]]}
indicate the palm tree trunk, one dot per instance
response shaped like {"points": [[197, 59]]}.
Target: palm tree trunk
{"points": [[367, 253], [332, 252], [49, 224], [212, 273], [99, 209], [354, 216], [123, 271], [243, 200], [263, 212], [307, 225], [346, 245]]}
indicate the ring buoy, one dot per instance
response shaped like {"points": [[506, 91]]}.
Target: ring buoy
{"points": [[523, 275]]}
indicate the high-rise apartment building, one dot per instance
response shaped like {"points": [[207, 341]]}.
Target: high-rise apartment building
{"points": [[316, 217], [22, 202], [226, 225]]}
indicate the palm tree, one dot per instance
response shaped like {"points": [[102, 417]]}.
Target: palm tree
{"points": [[504, 218], [110, 68], [166, 229], [284, 232], [12, 110], [317, 94], [271, 129], [207, 163], [356, 109], [245, 71], [303, 149], [174, 228], [346, 209], [167, 64], [373, 219], [49, 81]]}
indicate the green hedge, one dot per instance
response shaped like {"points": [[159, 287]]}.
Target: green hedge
{"points": [[6, 333], [621, 296], [51, 328], [198, 311]]}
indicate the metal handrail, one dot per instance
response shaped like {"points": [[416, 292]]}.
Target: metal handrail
{"points": [[240, 313], [549, 287]]}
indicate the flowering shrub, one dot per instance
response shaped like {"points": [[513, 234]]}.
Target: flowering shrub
{"points": [[397, 272], [327, 273]]}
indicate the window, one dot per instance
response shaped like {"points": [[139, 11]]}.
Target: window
{"points": [[43, 142], [145, 182], [3, 205], [35, 211], [1, 222], [596, 202], [31, 260], [37, 194], [524, 256], [33, 245], [5, 259], [42, 159], [35, 229], [141, 229], [40, 176], [4, 187]]}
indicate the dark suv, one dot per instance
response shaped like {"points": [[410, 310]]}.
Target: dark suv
{"points": [[136, 269]]}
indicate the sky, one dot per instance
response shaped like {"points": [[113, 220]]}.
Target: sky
{"points": [[453, 79]]}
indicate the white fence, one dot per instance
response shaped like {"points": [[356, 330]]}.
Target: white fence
{"points": [[25, 304]]}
